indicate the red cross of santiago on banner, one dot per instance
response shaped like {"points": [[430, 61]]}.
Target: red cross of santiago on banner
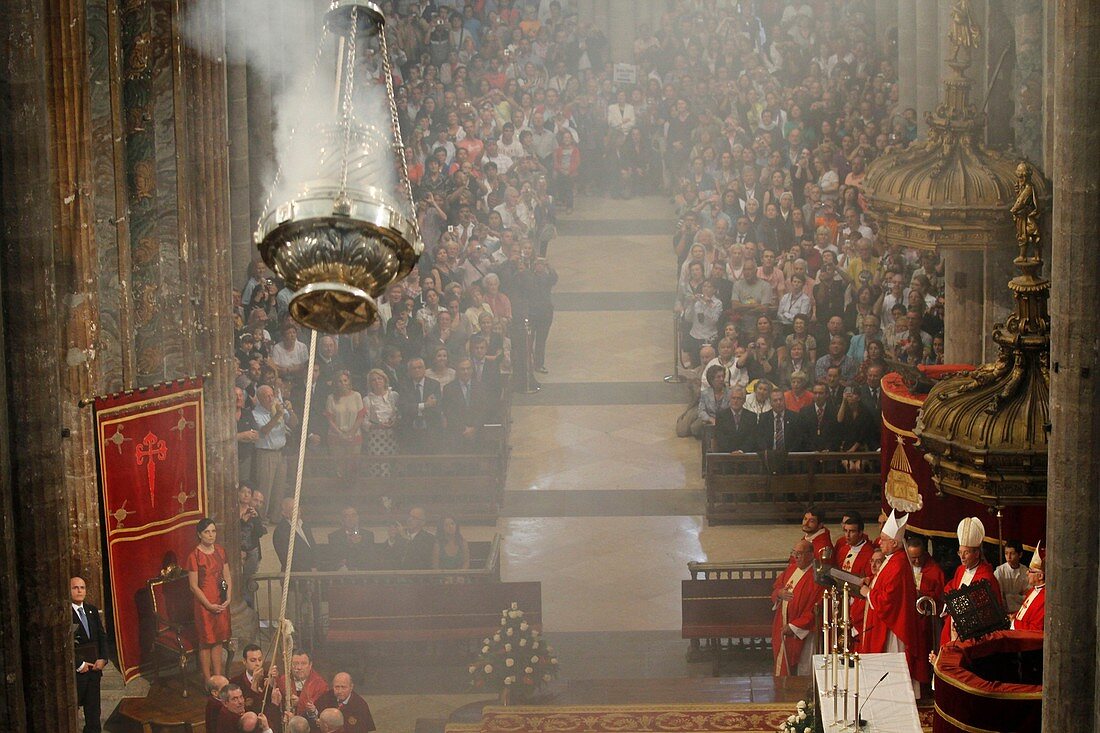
{"points": [[151, 447]]}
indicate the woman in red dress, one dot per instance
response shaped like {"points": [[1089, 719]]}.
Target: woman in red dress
{"points": [[212, 584]]}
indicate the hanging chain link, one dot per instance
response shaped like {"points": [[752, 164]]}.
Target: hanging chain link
{"points": [[347, 100], [398, 145]]}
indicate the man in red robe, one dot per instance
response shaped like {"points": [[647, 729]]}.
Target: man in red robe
{"points": [[892, 597], [853, 550], [306, 686], [795, 597], [930, 580], [815, 531], [1032, 611], [862, 620], [974, 568]]}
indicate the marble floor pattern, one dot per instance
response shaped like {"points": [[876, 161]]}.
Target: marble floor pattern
{"points": [[603, 503]]}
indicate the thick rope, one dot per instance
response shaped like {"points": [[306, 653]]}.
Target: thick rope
{"points": [[303, 438]]}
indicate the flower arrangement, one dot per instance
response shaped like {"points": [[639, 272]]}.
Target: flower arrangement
{"points": [[515, 660], [802, 721]]}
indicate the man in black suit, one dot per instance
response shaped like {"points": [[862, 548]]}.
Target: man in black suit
{"points": [[305, 548], [735, 428], [870, 394], [486, 371], [420, 406], [779, 431], [834, 388], [350, 547], [819, 421], [418, 553], [91, 653], [463, 408]]}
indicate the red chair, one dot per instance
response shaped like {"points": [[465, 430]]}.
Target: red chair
{"points": [[174, 617]]}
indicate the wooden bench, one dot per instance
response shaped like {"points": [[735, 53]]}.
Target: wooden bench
{"points": [[467, 486], [739, 491], [727, 606], [460, 611]]}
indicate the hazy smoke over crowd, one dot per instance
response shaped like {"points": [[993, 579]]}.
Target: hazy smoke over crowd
{"points": [[283, 42]]}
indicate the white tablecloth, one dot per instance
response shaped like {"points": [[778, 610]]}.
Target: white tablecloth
{"points": [[891, 708]]}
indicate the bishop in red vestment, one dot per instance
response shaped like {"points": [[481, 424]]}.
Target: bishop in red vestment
{"points": [[892, 598], [1032, 611], [795, 597], [974, 568]]}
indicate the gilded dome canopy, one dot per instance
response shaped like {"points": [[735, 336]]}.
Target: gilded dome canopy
{"points": [[985, 432]]}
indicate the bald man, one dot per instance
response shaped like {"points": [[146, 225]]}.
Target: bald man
{"points": [[331, 720], [214, 703], [795, 596], [297, 724], [343, 697]]}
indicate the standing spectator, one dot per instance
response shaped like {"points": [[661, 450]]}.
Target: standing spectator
{"points": [[567, 161], [90, 642], [212, 586], [381, 406], [273, 421], [541, 309], [345, 412]]}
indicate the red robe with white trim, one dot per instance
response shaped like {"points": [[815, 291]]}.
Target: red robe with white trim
{"points": [[861, 564], [1032, 612], [800, 611], [984, 571], [893, 601]]}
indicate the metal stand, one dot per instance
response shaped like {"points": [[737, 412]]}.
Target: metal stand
{"points": [[676, 377], [529, 386]]}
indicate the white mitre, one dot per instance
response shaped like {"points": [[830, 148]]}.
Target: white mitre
{"points": [[971, 532], [895, 527]]}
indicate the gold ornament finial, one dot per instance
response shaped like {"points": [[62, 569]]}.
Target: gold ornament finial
{"points": [[965, 35], [1025, 214]]}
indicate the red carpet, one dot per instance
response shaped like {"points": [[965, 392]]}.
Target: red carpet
{"points": [[699, 718]]}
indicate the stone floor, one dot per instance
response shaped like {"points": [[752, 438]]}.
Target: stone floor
{"points": [[603, 503]]}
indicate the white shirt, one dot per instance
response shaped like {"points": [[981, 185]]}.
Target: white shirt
{"points": [[1013, 584]]}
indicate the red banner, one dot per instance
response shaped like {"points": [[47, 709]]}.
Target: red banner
{"points": [[907, 477], [152, 467]]}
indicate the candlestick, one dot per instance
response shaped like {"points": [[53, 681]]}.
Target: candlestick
{"points": [[847, 628], [825, 621], [859, 725], [846, 674], [835, 695]]}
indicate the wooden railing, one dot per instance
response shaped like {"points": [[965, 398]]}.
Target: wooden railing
{"points": [[727, 607], [468, 486], [307, 601], [744, 488]]}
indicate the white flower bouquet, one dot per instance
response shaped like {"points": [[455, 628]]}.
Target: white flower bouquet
{"points": [[515, 658]]}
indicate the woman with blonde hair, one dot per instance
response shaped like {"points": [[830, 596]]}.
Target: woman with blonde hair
{"points": [[381, 417], [345, 411]]}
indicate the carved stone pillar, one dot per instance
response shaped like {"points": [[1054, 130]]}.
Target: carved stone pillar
{"points": [[907, 55], [1070, 696], [963, 311], [77, 282], [204, 152], [927, 60], [39, 511]]}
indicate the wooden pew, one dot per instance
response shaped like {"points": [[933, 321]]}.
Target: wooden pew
{"points": [[740, 491], [727, 606], [414, 612]]}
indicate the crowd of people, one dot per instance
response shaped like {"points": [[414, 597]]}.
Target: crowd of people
{"points": [[253, 701], [767, 115], [896, 569]]}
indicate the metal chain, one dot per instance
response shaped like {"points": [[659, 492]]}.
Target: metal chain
{"points": [[398, 145], [347, 101]]}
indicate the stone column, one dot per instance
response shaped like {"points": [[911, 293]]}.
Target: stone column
{"points": [[205, 151], [963, 295], [1027, 88], [240, 173], [39, 508], [907, 54], [886, 17], [927, 60], [77, 282], [1070, 696]]}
